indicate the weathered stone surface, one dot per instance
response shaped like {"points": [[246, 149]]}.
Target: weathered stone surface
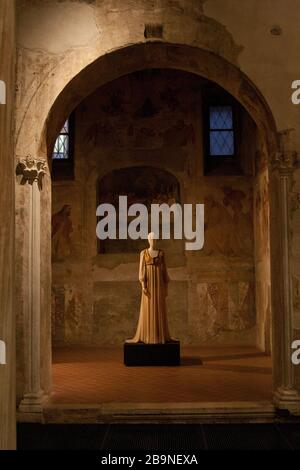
{"points": [[114, 320]]}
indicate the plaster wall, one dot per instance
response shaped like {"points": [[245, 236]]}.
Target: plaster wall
{"points": [[58, 39]]}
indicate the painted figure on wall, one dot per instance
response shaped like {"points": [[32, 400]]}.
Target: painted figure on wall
{"points": [[229, 224], [61, 233], [241, 238], [153, 323]]}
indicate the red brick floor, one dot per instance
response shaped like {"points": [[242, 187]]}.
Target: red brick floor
{"points": [[97, 375]]}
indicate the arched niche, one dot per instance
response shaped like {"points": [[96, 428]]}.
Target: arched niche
{"points": [[141, 184], [106, 68]]}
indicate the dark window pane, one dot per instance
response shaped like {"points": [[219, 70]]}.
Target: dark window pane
{"points": [[220, 117], [221, 143]]}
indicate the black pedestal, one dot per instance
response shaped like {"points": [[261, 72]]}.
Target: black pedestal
{"points": [[141, 354]]}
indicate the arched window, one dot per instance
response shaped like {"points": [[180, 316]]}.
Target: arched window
{"points": [[221, 131], [223, 126], [63, 152], [62, 144]]}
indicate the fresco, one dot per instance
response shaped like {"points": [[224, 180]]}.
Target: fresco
{"points": [[228, 222], [144, 117], [141, 136], [145, 185]]}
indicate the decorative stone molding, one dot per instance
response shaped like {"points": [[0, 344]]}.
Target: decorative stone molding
{"points": [[31, 169], [286, 160]]}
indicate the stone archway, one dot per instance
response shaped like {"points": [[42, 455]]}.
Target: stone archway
{"points": [[34, 205]]}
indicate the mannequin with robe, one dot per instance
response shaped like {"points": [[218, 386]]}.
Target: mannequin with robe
{"points": [[153, 323]]}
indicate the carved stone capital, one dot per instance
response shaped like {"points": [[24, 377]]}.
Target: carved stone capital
{"points": [[295, 200], [286, 161], [31, 170]]}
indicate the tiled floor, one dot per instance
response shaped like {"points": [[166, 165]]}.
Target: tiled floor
{"points": [[89, 376]]}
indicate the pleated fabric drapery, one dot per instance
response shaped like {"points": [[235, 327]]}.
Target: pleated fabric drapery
{"points": [[153, 323]]}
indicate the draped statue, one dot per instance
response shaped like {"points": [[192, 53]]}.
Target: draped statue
{"points": [[153, 323]]}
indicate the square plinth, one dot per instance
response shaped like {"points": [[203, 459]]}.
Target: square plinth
{"points": [[141, 354]]}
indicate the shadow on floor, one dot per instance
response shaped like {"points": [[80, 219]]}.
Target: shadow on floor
{"points": [[190, 361], [238, 368]]}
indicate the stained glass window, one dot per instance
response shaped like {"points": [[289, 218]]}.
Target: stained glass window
{"points": [[62, 145], [221, 133]]}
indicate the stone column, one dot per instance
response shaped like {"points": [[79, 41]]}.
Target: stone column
{"points": [[7, 237], [31, 171], [283, 166]]}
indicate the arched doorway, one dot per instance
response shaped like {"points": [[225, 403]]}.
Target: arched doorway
{"points": [[106, 68]]}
